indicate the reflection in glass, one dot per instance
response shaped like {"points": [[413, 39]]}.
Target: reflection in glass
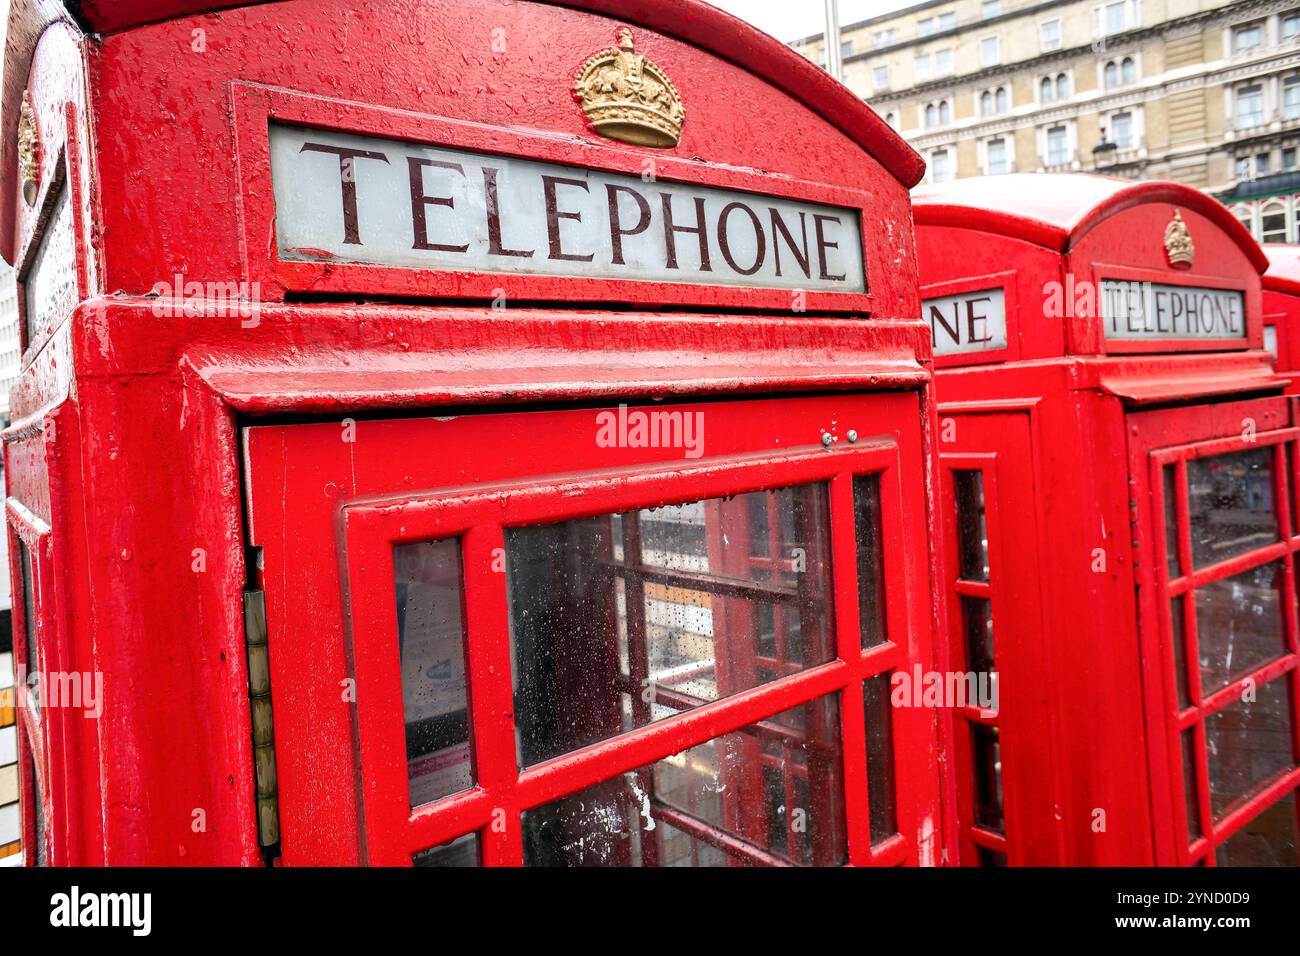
{"points": [[972, 533], [773, 787], [459, 852], [1190, 789], [986, 758], [1173, 560], [880, 757], [977, 619], [1230, 498], [871, 551], [1248, 743], [431, 640], [1178, 618], [617, 621], [1239, 624], [1268, 840]]}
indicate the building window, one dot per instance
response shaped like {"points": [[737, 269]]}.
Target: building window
{"points": [[1058, 148], [1243, 168], [884, 38], [997, 157], [892, 120], [942, 62], [939, 113], [1250, 106], [880, 77], [1291, 25], [993, 102], [923, 68], [925, 27], [1119, 73], [846, 49], [1121, 130], [1248, 36], [940, 166], [1289, 158], [1291, 97], [1115, 17], [1263, 164], [1049, 35], [990, 51], [991, 8], [1272, 222], [946, 21], [1053, 88]]}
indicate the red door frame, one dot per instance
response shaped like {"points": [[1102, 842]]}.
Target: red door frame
{"points": [[998, 444], [1173, 437], [349, 527]]}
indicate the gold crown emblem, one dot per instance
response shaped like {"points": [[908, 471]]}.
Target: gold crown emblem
{"points": [[626, 97], [1178, 242]]}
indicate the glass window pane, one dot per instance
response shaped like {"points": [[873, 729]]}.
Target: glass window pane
{"points": [[972, 534], [774, 786], [1239, 624], [1290, 453], [617, 621], [1248, 743], [978, 622], [1178, 618], [986, 759], [462, 851], [1173, 559], [431, 639], [880, 757], [871, 551], [1268, 840], [1190, 790], [1231, 502]]}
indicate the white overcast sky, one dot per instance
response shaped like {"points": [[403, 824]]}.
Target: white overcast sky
{"points": [[793, 19]]}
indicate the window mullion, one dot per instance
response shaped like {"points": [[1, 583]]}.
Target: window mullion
{"points": [[487, 622], [844, 577]]}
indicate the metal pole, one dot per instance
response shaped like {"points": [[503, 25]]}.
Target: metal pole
{"points": [[833, 65]]}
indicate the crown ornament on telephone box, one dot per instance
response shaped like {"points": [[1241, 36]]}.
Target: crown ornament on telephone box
{"points": [[1178, 242], [628, 98]]}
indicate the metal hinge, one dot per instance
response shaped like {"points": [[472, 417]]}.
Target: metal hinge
{"points": [[259, 700]]}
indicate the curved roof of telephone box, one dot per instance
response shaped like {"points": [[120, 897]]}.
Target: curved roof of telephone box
{"points": [[691, 21], [1056, 210], [1283, 273]]}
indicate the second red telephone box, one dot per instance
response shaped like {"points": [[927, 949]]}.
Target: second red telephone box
{"points": [[1119, 486], [1282, 308]]}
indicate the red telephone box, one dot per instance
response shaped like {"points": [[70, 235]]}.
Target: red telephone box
{"points": [[1281, 309], [1118, 471], [464, 432]]}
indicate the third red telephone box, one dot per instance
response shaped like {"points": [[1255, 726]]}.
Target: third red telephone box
{"points": [[1282, 309], [533, 394], [1118, 470]]}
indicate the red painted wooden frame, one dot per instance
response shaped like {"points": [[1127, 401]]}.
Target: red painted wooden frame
{"points": [[39, 739], [255, 107], [1172, 438], [477, 517]]}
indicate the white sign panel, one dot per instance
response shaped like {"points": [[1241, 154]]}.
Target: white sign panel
{"points": [[967, 322], [1148, 311], [346, 198]]}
